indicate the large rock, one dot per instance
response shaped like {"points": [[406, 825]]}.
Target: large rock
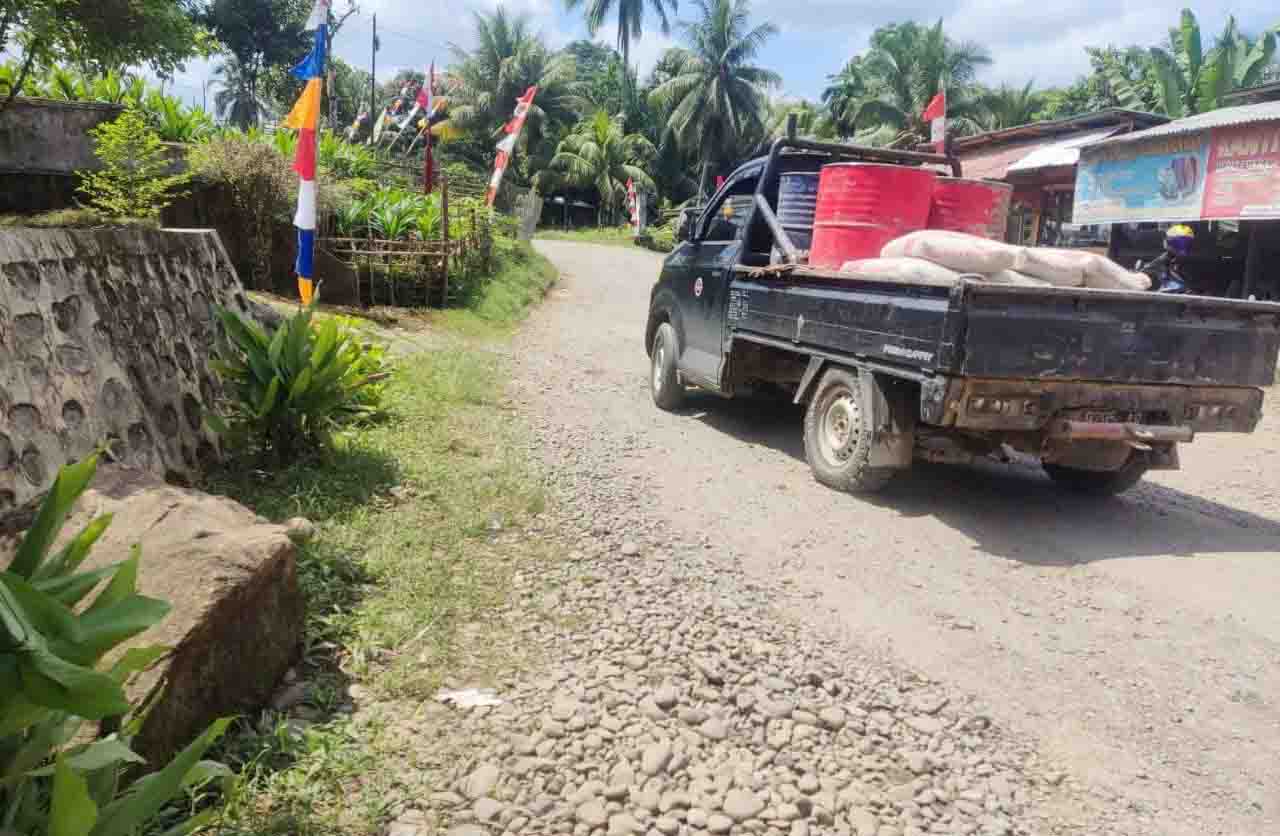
{"points": [[231, 578]]}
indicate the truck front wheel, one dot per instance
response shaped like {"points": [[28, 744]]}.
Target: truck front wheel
{"points": [[1099, 482], [839, 436], [664, 381]]}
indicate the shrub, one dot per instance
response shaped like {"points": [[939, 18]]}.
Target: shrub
{"points": [[289, 391], [373, 364], [262, 185], [56, 780], [134, 181]]}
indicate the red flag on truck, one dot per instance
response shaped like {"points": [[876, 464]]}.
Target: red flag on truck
{"points": [[936, 115]]}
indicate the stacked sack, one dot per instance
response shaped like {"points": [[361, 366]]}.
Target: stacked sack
{"points": [[941, 256]]}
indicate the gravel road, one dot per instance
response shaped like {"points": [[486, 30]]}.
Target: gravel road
{"points": [[1129, 650]]}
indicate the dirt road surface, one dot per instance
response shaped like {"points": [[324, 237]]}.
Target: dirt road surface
{"points": [[1135, 641]]}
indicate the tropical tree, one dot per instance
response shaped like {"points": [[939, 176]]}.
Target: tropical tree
{"points": [[1187, 80], [716, 98], [844, 95], [904, 69], [1007, 106], [237, 101], [630, 15], [599, 155], [508, 58]]}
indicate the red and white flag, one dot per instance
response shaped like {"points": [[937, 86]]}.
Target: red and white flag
{"points": [[936, 115], [426, 101], [631, 200], [508, 143]]}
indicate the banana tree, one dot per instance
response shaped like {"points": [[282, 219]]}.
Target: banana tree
{"points": [[1188, 80]]}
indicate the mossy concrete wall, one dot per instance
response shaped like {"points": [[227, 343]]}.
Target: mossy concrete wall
{"points": [[105, 338]]}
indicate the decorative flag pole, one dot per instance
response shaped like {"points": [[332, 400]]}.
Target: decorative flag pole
{"points": [[508, 143], [936, 115], [428, 101], [305, 119]]}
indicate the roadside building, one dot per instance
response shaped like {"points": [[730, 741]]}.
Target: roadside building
{"points": [[1039, 161], [1217, 171]]}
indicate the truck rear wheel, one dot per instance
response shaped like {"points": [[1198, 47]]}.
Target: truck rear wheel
{"points": [[1100, 482], [838, 436], [664, 381]]}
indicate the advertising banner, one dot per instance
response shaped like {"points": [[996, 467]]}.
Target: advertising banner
{"points": [[1222, 174], [1162, 179], [1244, 173]]}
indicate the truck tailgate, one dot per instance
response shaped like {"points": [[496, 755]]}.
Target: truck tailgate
{"points": [[1118, 336]]}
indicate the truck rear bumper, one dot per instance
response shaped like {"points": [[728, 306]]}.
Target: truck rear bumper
{"points": [[1101, 410]]}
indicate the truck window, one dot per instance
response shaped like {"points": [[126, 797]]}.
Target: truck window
{"points": [[727, 216]]}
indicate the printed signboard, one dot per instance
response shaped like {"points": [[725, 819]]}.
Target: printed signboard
{"points": [[1244, 173], [1158, 180], [1226, 173]]}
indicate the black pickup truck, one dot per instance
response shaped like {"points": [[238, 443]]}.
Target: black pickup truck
{"points": [[1099, 385]]}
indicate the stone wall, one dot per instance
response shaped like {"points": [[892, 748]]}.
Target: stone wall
{"points": [[104, 338], [38, 136]]}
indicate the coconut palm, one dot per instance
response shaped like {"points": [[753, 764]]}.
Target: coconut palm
{"points": [[508, 58], [844, 94], [717, 99], [1006, 106], [905, 68], [630, 14], [237, 101], [599, 155]]}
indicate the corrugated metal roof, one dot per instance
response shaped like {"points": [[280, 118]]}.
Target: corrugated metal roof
{"points": [[994, 163], [1221, 118], [1064, 152]]}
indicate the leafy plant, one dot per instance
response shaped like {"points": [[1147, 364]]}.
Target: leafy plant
{"points": [[395, 218], [51, 645], [134, 181], [373, 363], [174, 121], [291, 390], [285, 142]]}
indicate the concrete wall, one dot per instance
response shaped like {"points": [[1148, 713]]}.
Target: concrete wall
{"points": [[105, 337], [38, 136]]}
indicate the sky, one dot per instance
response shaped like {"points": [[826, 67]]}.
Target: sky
{"points": [[1027, 40]]}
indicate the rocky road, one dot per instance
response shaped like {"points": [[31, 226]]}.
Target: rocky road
{"points": [[762, 654]]}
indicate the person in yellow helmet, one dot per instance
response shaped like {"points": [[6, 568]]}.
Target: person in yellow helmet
{"points": [[1167, 270]]}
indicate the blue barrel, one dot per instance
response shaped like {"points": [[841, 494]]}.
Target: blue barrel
{"points": [[797, 203]]}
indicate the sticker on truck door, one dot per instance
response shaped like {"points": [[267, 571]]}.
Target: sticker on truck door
{"points": [[697, 287]]}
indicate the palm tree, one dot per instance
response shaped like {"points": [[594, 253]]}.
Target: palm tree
{"points": [[1007, 107], [598, 155], [485, 82], [844, 94], [716, 98], [905, 68], [237, 101], [630, 14]]}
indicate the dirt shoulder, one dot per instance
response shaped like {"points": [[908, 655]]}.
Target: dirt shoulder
{"points": [[1133, 642]]}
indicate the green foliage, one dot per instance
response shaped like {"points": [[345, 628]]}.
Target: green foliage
{"points": [[261, 183], [715, 96], [1006, 106], [887, 89], [289, 391], [56, 779], [100, 34], [345, 159], [372, 363], [134, 181], [395, 214], [175, 122], [630, 15], [599, 156]]}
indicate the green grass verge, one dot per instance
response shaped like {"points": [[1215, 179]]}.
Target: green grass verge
{"points": [[621, 236], [403, 561], [495, 307]]}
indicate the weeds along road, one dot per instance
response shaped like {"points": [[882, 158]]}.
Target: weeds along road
{"points": [[1136, 640]]}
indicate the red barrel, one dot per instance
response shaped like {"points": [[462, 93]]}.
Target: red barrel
{"points": [[978, 207], [863, 206]]}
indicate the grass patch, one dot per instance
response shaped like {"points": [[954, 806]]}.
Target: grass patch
{"points": [[621, 236], [491, 308], [402, 579]]}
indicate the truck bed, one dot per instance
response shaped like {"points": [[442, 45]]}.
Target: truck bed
{"points": [[976, 329]]}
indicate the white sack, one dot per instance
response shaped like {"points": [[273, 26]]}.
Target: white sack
{"points": [[1014, 277], [902, 269], [1063, 268], [955, 250]]}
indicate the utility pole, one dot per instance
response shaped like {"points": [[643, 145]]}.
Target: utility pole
{"points": [[373, 75]]}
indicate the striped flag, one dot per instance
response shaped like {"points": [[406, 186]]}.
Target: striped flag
{"points": [[508, 143], [305, 119], [936, 115]]}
